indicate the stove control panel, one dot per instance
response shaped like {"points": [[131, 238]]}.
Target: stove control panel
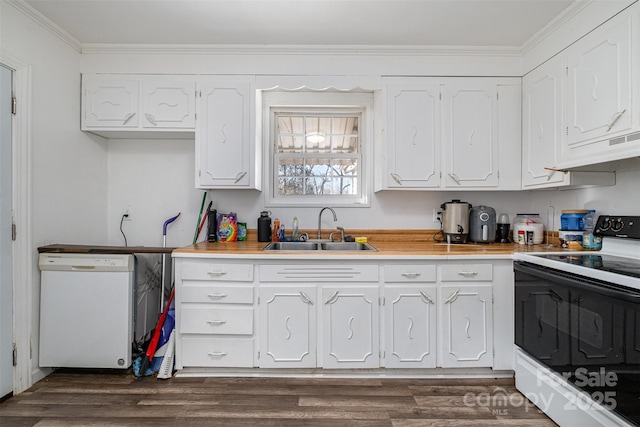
{"points": [[618, 226]]}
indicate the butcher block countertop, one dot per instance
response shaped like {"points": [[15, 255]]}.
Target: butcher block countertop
{"points": [[397, 244]]}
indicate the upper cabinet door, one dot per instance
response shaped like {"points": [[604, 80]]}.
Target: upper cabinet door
{"points": [[168, 104], [413, 133], [542, 126], [470, 133], [225, 140], [599, 84], [110, 103]]}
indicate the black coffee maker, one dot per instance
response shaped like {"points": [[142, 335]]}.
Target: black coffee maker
{"points": [[502, 229]]}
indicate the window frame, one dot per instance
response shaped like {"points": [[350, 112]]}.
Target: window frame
{"points": [[318, 102]]}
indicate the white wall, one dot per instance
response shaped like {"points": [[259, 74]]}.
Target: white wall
{"points": [[156, 178], [68, 190]]}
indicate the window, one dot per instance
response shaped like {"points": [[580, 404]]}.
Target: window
{"points": [[317, 145]]}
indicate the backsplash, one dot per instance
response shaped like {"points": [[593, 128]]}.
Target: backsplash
{"points": [[156, 178]]}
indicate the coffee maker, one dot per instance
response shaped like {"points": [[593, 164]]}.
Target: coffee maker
{"points": [[455, 221]]}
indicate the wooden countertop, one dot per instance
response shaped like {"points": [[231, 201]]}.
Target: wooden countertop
{"points": [[89, 249], [393, 243]]}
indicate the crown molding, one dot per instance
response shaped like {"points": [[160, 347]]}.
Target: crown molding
{"points": [[573, 10], [31, 13], [362, 50]]}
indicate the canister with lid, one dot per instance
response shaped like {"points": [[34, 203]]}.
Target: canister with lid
{"points": [[572, 220], [528, 229]]}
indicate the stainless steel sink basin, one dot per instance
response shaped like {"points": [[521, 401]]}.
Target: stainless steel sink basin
{"points": [[319, 246], [346, 246]]}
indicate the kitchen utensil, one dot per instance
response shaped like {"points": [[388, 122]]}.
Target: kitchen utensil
{"points": [[482, 224], [502, 229], [455, 221], [551, 219]]}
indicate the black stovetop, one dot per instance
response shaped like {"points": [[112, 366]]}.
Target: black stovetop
{"points": [[603, 262]]}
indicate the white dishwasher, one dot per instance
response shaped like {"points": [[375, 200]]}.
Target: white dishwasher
{"points": [[86, 310]]}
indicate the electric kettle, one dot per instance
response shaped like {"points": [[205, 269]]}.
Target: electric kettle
{"points": [[455, 221]]}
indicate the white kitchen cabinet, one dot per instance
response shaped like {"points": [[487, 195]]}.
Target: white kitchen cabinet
{"points": [[168, 104], [599, 68], [110, 102], [465, 306], [350, 317], [215, 322], [287, 336], [412, 133], [226, 147], [542, 126], [410, 327], [470, 133], [602, 93], [451, 133], [125, 106], [481, 133], [542, 132], [466, 316]]}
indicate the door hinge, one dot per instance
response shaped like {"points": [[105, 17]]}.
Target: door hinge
{"points": [[14, 232], [381, 301], [14, 105], [15, 355], [566, 130], [258, 354], [566, 71]]}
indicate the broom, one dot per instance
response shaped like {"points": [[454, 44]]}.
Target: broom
{"points": [[153, 345]]}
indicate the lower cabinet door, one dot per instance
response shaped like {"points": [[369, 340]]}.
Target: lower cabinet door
{"points": [[467, 325], [410, 327], [350, 327], [287, 336], [210, 352]]}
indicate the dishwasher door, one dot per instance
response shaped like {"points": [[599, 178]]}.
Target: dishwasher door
{"points": [[86, 310]]}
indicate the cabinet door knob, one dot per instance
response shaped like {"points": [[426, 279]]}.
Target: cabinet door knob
{"points": [[410, 275], [216, 295], [468, 273], [128, 117], [216, 322], [396, 178], [217, 353]]}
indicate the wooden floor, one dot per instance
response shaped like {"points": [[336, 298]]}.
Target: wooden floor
{"points": [[74, 398]]}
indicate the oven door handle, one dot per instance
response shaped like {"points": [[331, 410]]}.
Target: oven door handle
{"points": [[581, 282]]}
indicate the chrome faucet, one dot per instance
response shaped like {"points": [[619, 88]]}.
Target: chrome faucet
{"points": [[335, 218]]}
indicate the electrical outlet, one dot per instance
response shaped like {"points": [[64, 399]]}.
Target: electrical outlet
{"points": [[128, 211], [435, 216]]}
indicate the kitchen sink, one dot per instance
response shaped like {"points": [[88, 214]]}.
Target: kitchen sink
{"points": [[319, 246]]}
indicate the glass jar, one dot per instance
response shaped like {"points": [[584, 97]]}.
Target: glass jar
{"points": [[528, 229]]}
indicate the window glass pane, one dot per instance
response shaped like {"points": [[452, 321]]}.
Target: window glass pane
{"points": [[345, 126], [290, 186], [290, 143], [344, 144]]}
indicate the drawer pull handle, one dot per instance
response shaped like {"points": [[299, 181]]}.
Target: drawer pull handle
{"points": [[216, 273], [217, 353], [216, 295], [468, 273], [216, 322], [410, 275]]}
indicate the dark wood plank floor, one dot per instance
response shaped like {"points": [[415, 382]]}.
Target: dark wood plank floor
{"points": [[71, 398]]}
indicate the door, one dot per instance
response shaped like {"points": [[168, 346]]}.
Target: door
{"points": [[410, 322], [6, 255], [467, 326], [168, 104], [413, 133], [110, 103], [288, 327], [350, 327]]}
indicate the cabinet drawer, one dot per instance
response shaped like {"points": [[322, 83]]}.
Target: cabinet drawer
{"points": [[412, 273], [217, 294], [217, 352], [227, 321], [466, 272], [206, 270], [305, 273]]}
